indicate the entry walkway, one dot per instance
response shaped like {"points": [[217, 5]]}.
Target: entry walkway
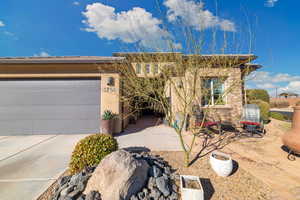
{"points": [[146, 133]]}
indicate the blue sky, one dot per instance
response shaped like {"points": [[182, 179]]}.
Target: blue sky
{"points": [[86, 27]]}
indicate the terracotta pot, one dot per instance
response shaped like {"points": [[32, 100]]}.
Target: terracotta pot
{"points": [[107, 126], [291, 139]]}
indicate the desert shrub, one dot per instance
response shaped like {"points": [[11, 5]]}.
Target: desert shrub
{"points": [[264, 109], [279, 104], [277, 115], [257, 94], [91, 150], [298, 103]]}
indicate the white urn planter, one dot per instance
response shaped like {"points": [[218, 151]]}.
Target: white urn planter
{"points": [[191, 193], [221, 163]]}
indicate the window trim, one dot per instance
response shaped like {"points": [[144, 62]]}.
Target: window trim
{"points": [[155, 68], [212, 91], [147, 70], [138, 68]]}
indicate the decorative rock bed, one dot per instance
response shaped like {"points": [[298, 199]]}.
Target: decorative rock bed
{"points": [[160, 183]]}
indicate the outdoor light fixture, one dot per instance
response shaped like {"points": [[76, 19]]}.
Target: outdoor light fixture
{"points": [[110, 81], [180, 84]]}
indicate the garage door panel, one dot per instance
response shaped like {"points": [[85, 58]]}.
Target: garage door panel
{"points": [[49, 106], [49, 112], [15, 127], [51, 96], [65, 126]]}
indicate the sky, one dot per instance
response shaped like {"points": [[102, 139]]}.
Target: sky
{"points": [[269, 29]]}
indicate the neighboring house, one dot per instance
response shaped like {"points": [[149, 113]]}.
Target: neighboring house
{"points": [[67, 95], [288, 95]]}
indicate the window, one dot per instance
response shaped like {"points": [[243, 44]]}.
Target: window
{"points": [[213, 91], [155, 69], [147, 69], [138, 68]]}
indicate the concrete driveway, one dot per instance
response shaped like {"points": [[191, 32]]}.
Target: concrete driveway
{"points": [[147, 133], [30, 164]]}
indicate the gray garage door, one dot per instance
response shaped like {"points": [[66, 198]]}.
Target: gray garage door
{"points": [[49, 106]]}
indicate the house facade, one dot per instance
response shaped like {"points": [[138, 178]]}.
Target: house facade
{"points": [[67, 95]]}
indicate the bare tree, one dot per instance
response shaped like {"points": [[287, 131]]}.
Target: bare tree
{"points": [[179, 86]]}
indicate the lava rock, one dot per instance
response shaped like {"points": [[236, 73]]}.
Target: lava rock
{"points": [[93, 195], [155, 193], [134, 198], [151, 183], [156, 172], [64, 180], [163, 186]]}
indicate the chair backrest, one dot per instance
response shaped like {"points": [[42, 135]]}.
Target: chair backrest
{"points": [[251, 113]]}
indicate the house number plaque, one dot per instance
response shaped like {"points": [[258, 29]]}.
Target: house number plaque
{"points": [[109, 89]]}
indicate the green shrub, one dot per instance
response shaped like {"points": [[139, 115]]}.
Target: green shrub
{"points": [[264, 109], [277, 115], [257, 94], [91, 150], [107, 115], [279, 104]]}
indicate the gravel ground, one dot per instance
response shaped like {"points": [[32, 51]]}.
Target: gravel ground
{"points": [[239, 186], [48, 193]]}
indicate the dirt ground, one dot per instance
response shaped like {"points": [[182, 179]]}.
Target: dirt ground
{"points": [[265, 159], [239, 186]]}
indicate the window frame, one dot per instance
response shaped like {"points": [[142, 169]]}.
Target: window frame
{"points": [[155, 68], [212, 90], [138, 68], [147, 70]]}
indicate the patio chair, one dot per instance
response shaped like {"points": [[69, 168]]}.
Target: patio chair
{"points": [[251, 120], [207, 125]]}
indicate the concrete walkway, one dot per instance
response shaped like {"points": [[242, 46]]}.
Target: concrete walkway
{"points": [[30, 164], [146, 133]]}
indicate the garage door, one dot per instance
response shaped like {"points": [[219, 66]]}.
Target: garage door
{"points": [[49, 106]]}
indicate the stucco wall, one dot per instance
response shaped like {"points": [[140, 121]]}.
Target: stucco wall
{"points": [[110, 98]]}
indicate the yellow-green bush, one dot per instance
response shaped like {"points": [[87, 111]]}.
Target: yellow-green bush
{"points": [[264, 109], [91, 150], [277, 115], [257, 94], [298, 103]]}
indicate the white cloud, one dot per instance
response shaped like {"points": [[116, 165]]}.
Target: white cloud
{"points": [[194, 14], [270, 3], [76, 3], [2, 24], [132, 26], [266, 85], [263, 76], [293, 86], [42, 54], [282, 82]]}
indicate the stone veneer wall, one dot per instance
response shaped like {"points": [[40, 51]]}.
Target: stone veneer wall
{"points": [[232, 111]]}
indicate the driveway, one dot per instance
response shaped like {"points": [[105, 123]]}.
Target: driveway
{"points": [[147, 133], [30, 164]]}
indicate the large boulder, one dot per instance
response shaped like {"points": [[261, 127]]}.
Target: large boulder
{"points": [[118, 176]]}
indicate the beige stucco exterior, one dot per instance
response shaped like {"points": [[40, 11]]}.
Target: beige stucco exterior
{"points": [[111, 95]]}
